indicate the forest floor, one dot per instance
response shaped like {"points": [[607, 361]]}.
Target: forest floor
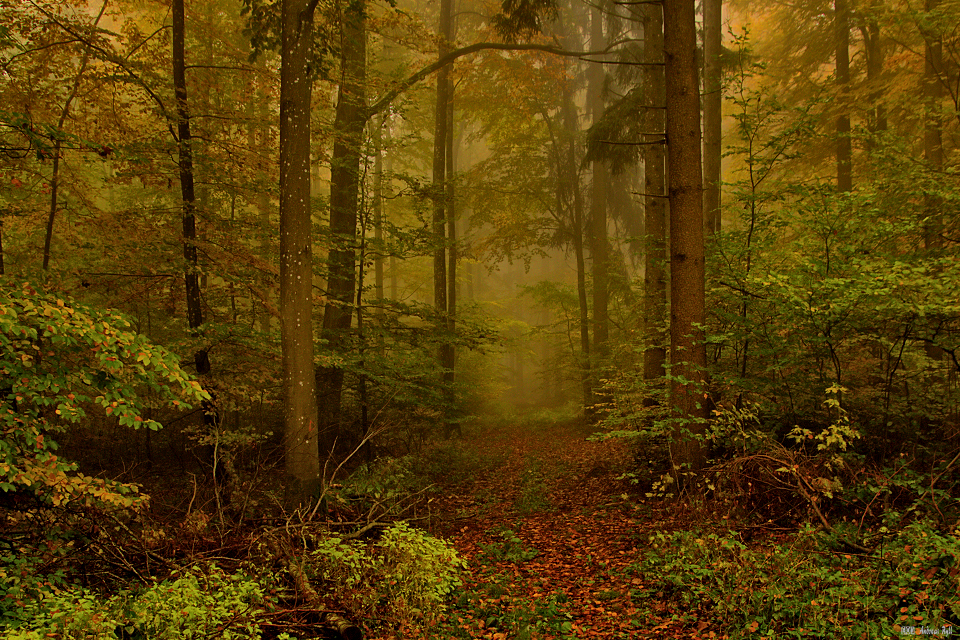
{"points": [[553, 542]]}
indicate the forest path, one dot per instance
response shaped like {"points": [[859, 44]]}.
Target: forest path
{"points": [[551, 544]]}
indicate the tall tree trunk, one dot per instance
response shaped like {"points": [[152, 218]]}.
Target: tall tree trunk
{"points": [[586, 381], [600, 186], [712, 109], [933, 128], [296, 255], [378, 209], [450, 356], [568, 173], [187, 194], [873, 48], [55, 173], [443, 136], [351, 117], [185, 165], [933, 146], [844, 142], [688, 354], [655, 209]]}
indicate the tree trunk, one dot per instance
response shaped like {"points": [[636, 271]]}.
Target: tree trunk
{"points": [[600, 184], [185, 165], [933, 148], [442, 206], [378, 210], [655, 210], [55, 174], [569, 176], [688, 355], [933, 129], [450, 355], [873, 48], [441, 130], [351, 117], [712, 110], [844, 142], [296, 255]]}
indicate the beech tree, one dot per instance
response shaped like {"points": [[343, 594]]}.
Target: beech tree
{"points": [[655, 205], [301, 450], [688, 357]]}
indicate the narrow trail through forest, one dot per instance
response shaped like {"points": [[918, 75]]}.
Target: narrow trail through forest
{"points": [[550, 541]]}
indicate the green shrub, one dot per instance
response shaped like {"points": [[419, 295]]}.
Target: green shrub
{"points": [[59, 360], [406, 574], [202, 603], [420, 571], [802, 589]]}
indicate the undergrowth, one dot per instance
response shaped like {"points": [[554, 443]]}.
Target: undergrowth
{"points": [[804, 588]]}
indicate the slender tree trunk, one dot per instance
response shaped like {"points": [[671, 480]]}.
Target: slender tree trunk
{"points": [[655, 209], [844, 141], [712, 109], [933, 146], [933, 129], [185, 165], [378, 210], [296, 255], [688, 355], [600, 186], [873, 48], [351, 117], [55, 174], [569, 174], [442, 206], [441, 131], [450, 356]]}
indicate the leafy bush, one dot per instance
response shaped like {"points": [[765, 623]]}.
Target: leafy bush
{"points": [[802, 589], [202, 603], [406, 573], [420, 571], [58, 360]]}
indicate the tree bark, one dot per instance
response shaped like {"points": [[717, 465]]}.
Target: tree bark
{"points": [[655, 210], [296, 255], [450, 355], [712, 110], [688, 355], [185, 166], [599, 249], [378, 211], [873, 48], [933, 148], [443, 208], [569, 177], [351, 118], [933, 129], [55, 173], [844, 141], [441, 131]]}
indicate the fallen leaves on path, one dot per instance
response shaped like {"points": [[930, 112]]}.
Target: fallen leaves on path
{"points": [[562, 570]]}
